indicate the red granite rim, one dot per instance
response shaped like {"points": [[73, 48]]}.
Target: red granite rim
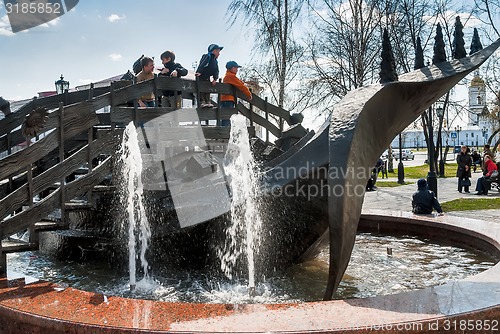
{"points": [[42, 307]]}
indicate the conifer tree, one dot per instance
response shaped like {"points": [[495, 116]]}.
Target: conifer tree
{"points": [[458, 45], [439, 51], [419, 55], [388, 64], [475, 45]]}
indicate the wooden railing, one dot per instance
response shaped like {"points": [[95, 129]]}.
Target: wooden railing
{"points": [[76, 135]]}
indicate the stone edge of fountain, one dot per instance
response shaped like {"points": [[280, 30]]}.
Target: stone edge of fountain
{"points": [[42, 307]]}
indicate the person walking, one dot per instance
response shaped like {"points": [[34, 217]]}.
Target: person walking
{"points": [[464, 162]]}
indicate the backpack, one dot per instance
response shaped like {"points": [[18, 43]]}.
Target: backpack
{"points": [[137, 67]]}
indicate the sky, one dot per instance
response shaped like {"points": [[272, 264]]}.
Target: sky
{"points": [[99, 39]]}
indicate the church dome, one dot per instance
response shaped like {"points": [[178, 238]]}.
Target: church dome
{"points": [[477, 82]]}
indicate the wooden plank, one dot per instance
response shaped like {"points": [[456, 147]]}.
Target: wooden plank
{"points": [[272, 109], [78, 118], [14, 246], [15, 119], [125, 114], [216, 132], [47, 205], [259, 119], [16, 162], [48, 226], [17, 198]]}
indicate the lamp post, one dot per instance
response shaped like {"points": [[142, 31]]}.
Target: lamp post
{"points": [[457, 130], [431, 175], [61, 85], [401, 168], [440, 114]]}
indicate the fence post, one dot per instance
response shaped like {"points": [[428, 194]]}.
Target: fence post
{"points": [[251, 111], [197, 91], [281, 122], [90, 139], [112, 105], [3, 257], [267, 118], [61, 159], [29, 175]]}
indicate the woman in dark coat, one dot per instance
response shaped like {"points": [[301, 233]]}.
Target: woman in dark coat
{"points": [[464, 162]]}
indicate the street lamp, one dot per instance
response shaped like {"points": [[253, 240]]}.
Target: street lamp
{"points": [[440, 114], [61, 85], [457, 130], [401, 170]]}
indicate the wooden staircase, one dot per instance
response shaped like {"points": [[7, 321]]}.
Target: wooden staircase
{"points": [[73, 149]]}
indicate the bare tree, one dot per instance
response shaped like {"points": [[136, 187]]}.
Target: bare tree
{"points": [[274, 23], [344, 47]]}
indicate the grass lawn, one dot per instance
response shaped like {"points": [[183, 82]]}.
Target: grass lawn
{"points": [[464, 204], [417, 172], [390, 184]]}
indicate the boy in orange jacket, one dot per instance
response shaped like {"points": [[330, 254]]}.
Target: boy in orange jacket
{"points": [[229, 101]]}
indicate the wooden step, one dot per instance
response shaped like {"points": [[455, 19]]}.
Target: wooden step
{"points": [[13, 246], [49, 226], [104, 189]]}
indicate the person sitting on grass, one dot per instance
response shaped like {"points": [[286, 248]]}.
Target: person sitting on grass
{"points": [[424, 200]]}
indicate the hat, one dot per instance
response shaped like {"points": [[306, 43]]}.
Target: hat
{"points": [[231, 64], [213, 47], [422, 183]]}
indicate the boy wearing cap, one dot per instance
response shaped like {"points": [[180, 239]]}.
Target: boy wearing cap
{"points": [[208, 67], [229, 101], [424, 200]]}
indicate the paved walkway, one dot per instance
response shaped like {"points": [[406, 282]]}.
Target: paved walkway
{"points": [[399, 198]]}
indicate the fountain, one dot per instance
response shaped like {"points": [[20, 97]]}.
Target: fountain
{"points": [[242, 235], [132, 195], [344, 136]]}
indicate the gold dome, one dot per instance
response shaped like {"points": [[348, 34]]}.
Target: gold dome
{"points": [[477, 82]]}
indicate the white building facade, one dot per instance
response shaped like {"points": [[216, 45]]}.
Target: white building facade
{"points": [[475, 134]]}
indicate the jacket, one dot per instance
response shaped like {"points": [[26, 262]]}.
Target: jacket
{"points": [[463, 159], [172, 66], [209, 67], [490, 166], [424, 200], [232, 79]]}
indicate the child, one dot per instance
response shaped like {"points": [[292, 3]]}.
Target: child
{"points": [[148, 65], [171, 69], [424, 200], [229, 101], [208, 67]]}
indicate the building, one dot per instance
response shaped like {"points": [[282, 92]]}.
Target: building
{"points": [[474, 134]]}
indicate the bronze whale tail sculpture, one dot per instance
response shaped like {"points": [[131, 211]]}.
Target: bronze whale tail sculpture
{"points": [[362, 126], [359, 129]]}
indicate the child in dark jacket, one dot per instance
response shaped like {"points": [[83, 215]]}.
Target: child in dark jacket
{"points": [[424, 200], [208, 68], [171, 69]]}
